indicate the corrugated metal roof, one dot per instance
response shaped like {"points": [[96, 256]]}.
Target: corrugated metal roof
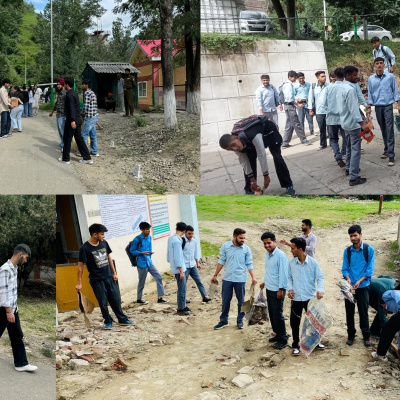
{"points": [[111, 68]]}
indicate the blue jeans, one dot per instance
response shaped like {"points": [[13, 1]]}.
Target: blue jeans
{"points": [[305, 113], [142, 273], [353, 152], [194, 273], [5, 123], [89, 129], [384, 116], [227, 293], [16, 114], [25, 113], [181, 295], [107, 290], [60, 127], [333, 133], [30, 114]]}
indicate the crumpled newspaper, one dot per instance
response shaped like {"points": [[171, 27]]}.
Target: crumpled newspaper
{"points": [[346, 291]]}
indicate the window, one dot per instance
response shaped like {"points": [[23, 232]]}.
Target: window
{"points": [[142, 89]]}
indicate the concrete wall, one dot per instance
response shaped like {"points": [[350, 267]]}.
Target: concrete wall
{"points": [[219, 16], [228, 82]]}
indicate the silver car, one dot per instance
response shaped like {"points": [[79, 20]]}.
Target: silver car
{"points": [[373, 30], [252, 21]]}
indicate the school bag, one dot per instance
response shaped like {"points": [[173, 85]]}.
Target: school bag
{"points": [[281, 94], [133, 259], [365, 252]]}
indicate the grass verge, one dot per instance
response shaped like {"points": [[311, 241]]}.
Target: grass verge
{"points": [[394, 258], [208, 249]]}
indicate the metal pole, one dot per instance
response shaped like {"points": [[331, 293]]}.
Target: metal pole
{"points": [[380, 203], [325, 21], [25, 68], [365, 28], [355, 27], [51, 52]]}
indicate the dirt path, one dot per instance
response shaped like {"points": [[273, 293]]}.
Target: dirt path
{"points": [[171, 358]]}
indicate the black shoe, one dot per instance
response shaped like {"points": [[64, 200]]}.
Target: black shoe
{"points": [[272, 339], [249, 192], [187, 301], [280, 345], [206, 299], [187, 309], [349, 342], [161, 300], [357, 181], [182, 312], [142, 301], [322, 147], [367, 343], [391, 162], [240, 325]]}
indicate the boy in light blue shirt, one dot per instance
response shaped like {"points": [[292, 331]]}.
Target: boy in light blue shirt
{"points": [[301, 93]]}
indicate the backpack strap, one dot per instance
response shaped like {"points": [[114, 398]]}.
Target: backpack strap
{"points": [[386, 55], [183, 242], [365, 252]]}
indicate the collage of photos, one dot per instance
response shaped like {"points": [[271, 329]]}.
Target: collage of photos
{"points": [[199, 200]]}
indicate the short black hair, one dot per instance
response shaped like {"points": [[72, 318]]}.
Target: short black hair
{"points": [[97, 228], [189, 228], [144, 225], [181, 226], [224, 140], [69, 81], [332, 74], [318, 73], [22, 247], [292, 74], [353, 229], [339, 72], [307, 222], [299, 74], [375, 39], [128, 69], [268, 235], [349, 69], [238, 231], [379, 59], [6, 80], [299, 242], [86, 82], [264, 76]]}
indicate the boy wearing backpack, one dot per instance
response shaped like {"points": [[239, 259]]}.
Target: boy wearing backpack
{"points": [[142, 248], [385, 53], [357, 269]]}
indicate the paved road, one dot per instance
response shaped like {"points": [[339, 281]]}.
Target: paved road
{"points": [[39, 385], [313, 172], [29, 161]]}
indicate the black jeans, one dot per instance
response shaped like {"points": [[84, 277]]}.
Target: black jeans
{"points": [[5, 123], [388, 332], [321, 121], [275, 311], [15, 334], [107, 290], [295, 319], [362, 299], [69, 133]]}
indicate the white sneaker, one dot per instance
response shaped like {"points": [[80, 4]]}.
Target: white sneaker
{"points": [[26, 368], [320, 346], [64, 162], [375, 355], [86, 161], [95, 155], [78, 154]]}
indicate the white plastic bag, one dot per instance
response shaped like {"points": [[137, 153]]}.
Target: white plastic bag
{"points": [[259, 309]]}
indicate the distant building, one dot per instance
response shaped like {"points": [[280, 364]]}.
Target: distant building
{"points": [[99, 35]]}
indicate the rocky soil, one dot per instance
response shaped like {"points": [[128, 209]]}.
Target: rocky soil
{"points": [[170, 357]]}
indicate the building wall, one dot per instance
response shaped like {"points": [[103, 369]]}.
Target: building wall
{"points": [[146, 69], [228, 82]]}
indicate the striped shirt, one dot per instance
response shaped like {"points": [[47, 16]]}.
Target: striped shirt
{"points": [[8, 286], [90, 106]]}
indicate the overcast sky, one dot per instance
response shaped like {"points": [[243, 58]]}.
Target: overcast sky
{"points": [[107, 18]]}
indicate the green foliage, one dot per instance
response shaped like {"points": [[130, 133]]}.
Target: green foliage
{"points": [[228, 43], [46, 107], [140, 121], [209, 249], [46, 352]]}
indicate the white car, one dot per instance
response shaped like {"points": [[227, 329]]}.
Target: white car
{"points": [[373, 30], [252, 21]]}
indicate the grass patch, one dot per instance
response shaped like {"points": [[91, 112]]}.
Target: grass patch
{"points": [[323, 211], [206, 230], [46, 107], [151, 186], [141, 122], [394, 257], [46, 352], [209, 249]]}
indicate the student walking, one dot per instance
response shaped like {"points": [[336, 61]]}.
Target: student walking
{"points": [[59, 108], [301, 93], [268, 99], [91, 113], [384, 52]]}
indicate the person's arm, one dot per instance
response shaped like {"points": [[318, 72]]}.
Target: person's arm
{"points": [[114, 272], [78, 286], [354, 107], [310, 100], [285, 242], [221, 263], [346, 267], [196, 255], [395, 92], [277, 100], [283, 275], [261, 153], [369, 100], [312, 244], [360, 96], [319, 276], [392, 57], [178, 258], [259, 102], [217, 271], [245, 163], [290, 282], [380, 310], [134, 249], [5, 295]]}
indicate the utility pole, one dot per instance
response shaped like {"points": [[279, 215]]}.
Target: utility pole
{"points": [[25, 68], [325, 21], [51, 53]]}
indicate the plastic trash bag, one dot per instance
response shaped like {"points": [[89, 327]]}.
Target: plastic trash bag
{"points": [[213, 290], [259, 309], [346, 291], [246, 306], [318, 320]]}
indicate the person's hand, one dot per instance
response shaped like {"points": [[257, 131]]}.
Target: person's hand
{"points": [[262, 285], [115, 277], [320, 295], [365, 127], [181, 276], [78, 287], [254, 282], [392, 69], [253, 186], [285, 242], [281, 107], [348, 280], [11, 318], [368, 112], [290, 294], [198, 266], [300, 105], [146, 253], [356, 285], [279, 294], [312, 113], [73, 125], [51, 114], [214, 279], [267, 181]]}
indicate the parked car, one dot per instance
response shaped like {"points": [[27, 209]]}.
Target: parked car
{"points": [[252, 21], [373, 30]]}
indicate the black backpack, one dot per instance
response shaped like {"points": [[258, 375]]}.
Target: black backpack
{"points": [[183, 242], [133, 259], [365, 252]]}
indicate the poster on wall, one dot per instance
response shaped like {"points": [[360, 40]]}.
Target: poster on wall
{"points": [[159, 216], [122, 214]]}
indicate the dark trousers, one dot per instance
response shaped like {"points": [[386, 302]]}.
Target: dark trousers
{"points": [[275, 311], [281, 168], [362, 299], [69, 133], [110, 106], [15, 334], [5, 123], [107, 290], [128, 100], [181, 294], [388, 332], [321, 121], [227, 293], [333, 132], [384, 116], [295, 318]]}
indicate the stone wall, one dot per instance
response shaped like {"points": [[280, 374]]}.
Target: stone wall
{"points": [[228, 82]]}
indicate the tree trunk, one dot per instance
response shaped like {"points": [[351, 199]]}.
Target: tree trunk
{"points": [[291, 14], [167, 64], [281, 15]]}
